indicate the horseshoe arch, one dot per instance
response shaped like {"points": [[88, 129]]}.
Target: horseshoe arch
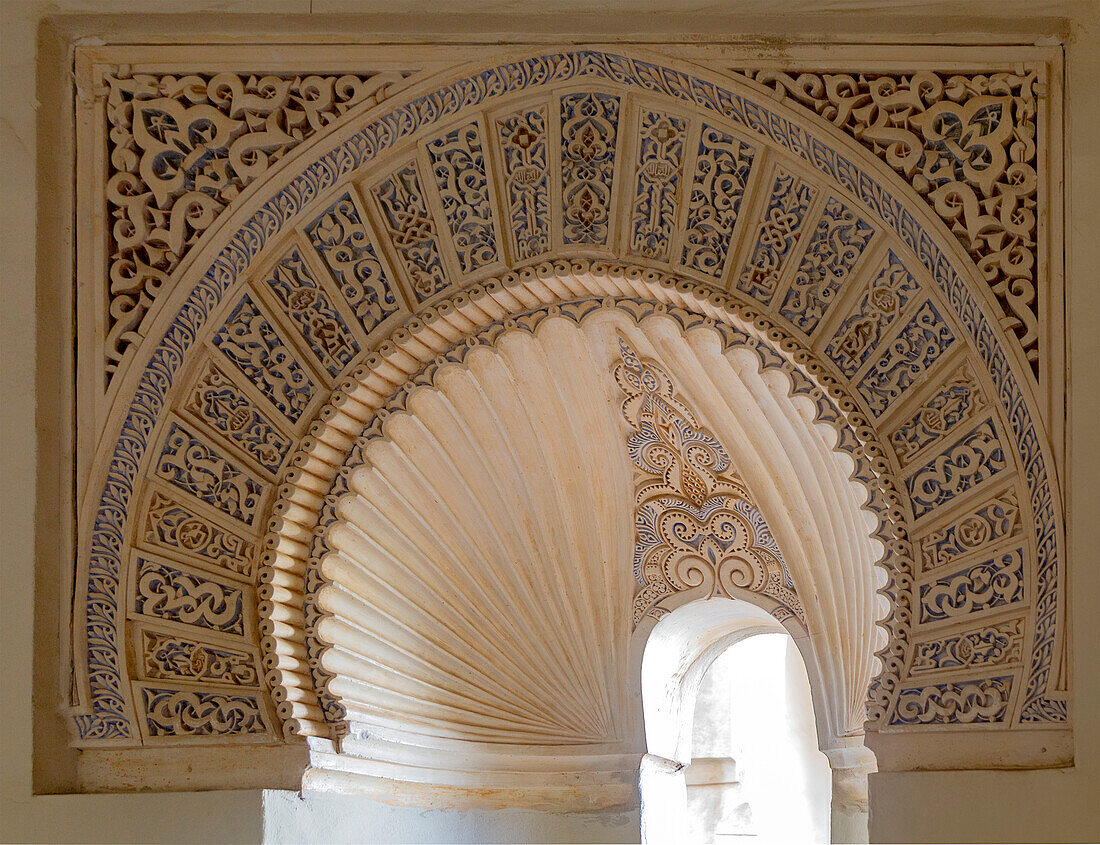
{"points": [[526, 210]]}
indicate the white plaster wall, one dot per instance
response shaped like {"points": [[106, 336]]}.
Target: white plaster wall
{"points": [[965, 806], [327, 819]]}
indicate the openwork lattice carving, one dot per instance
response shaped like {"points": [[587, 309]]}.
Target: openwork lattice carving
{"points": [[989, 584], [695, 523], [196, 468], [967, 143], [181, 148], [190, 713], [171, 525], [778, 232], [169, 593], [589, 123], [179, 657], [988, 523], [991, 645]]}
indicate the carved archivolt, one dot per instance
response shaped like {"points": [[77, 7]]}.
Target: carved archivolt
{"points": [[417, 228], [372, 504]]}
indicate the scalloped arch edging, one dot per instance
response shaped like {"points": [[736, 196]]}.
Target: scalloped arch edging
{"points": [[419, 349]]}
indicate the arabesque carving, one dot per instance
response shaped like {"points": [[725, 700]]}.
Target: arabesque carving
{"points": [[166, 592], [182, 147], [695, 522], [967, 142], [171, 525], [178, 657], [986, 585], [892, 312], [988, 523], [991, 645], [194, 713], [966, 702]]}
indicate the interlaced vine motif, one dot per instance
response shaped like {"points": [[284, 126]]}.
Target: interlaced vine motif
{"points": [[721, 173], [181, 148], [187, 712], [986, 646], [171, 525], [967, 143], [967, 702], [178, 657], [660, 162], [695, 523]]}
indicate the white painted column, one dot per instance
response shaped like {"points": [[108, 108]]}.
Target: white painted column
{"points": [[664, 800], [849, 809]]}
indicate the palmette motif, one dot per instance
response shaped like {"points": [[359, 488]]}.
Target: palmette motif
{"points": [[695, 523], [722, 169], [589, 132]]}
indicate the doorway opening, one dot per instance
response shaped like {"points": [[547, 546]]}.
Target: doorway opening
{"points": [[737, 744], [756, 770]]}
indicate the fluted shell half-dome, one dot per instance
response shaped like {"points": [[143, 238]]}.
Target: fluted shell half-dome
{"points": [[479, 581], [481, 578]]}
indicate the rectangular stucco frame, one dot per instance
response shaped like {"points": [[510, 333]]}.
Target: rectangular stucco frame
{"points": [[58, 465]]}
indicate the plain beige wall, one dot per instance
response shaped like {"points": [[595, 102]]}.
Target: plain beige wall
{"points": [[958, 806]]}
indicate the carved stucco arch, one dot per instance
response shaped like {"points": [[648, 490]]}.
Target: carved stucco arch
{"points": [[371, 143]]}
